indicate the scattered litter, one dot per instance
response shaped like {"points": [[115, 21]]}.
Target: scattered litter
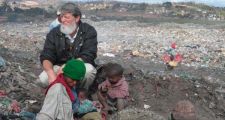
{"points": [[2, 93], [173, 63], [8, 105], [146, 106], [21, 70], [171, 57], [31, 101], [137, 53], [2, 64], [212, 105], [109, 55], [15, 106], [27, 115]]}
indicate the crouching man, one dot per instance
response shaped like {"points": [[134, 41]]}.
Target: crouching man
{"points": [[70, 39]]}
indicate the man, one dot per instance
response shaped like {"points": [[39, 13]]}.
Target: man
{"points": [[59, 95], [71, 39]]}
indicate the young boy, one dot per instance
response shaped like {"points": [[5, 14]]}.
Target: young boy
{"points": [[86, 109], [113, 92], [59, 95]]}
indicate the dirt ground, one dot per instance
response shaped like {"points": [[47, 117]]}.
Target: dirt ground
{"points": [[161, 89], [150, 83]]}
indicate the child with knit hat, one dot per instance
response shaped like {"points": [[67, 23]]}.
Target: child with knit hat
{"points": [[59, 95]]}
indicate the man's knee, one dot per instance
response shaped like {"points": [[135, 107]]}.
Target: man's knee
{"points": [[90, 71], [89, 76], [43, 79], [86, 83]]}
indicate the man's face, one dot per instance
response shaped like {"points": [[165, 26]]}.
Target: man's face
{"points": [[68, 23], [67, 19], [70, 82]]}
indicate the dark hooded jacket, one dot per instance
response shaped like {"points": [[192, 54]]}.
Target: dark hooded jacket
{"points": [[58, 49]]}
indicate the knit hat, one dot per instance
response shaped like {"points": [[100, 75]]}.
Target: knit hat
{"points": [[74, 69]]}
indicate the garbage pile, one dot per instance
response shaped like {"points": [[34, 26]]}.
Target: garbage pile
{"points": [[19, 97], [171, 58], [200, 45], [197, 55]]}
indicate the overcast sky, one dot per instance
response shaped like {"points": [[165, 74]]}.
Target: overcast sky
{"points": [[217, 3]]}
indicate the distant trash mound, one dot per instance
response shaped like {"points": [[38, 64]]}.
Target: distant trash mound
{"points": [[136, 114]]}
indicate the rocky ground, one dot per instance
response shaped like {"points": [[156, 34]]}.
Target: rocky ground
{"points": [[139, 47]]}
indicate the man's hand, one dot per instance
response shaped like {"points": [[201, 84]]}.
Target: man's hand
{"points": [[104, 89], [48, 67], [51, 76]]}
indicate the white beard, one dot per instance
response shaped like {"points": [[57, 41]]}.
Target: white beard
{"points": [[68, 29]]}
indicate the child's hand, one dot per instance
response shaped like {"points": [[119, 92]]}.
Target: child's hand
{"points": [[104, 89]]}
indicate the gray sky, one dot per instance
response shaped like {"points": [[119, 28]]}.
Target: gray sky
{"points": [[217, 3]]}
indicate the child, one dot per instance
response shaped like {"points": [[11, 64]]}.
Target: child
{"points": [[59, 96], [113, 92], [56, 22], [86, 109]]}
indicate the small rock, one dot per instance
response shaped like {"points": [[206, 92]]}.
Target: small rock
{"points": [[21, 70], [31, 101], [135, 53], [221, 92], [212, 105], [146, 106], [197, 86], [109, 55]]}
